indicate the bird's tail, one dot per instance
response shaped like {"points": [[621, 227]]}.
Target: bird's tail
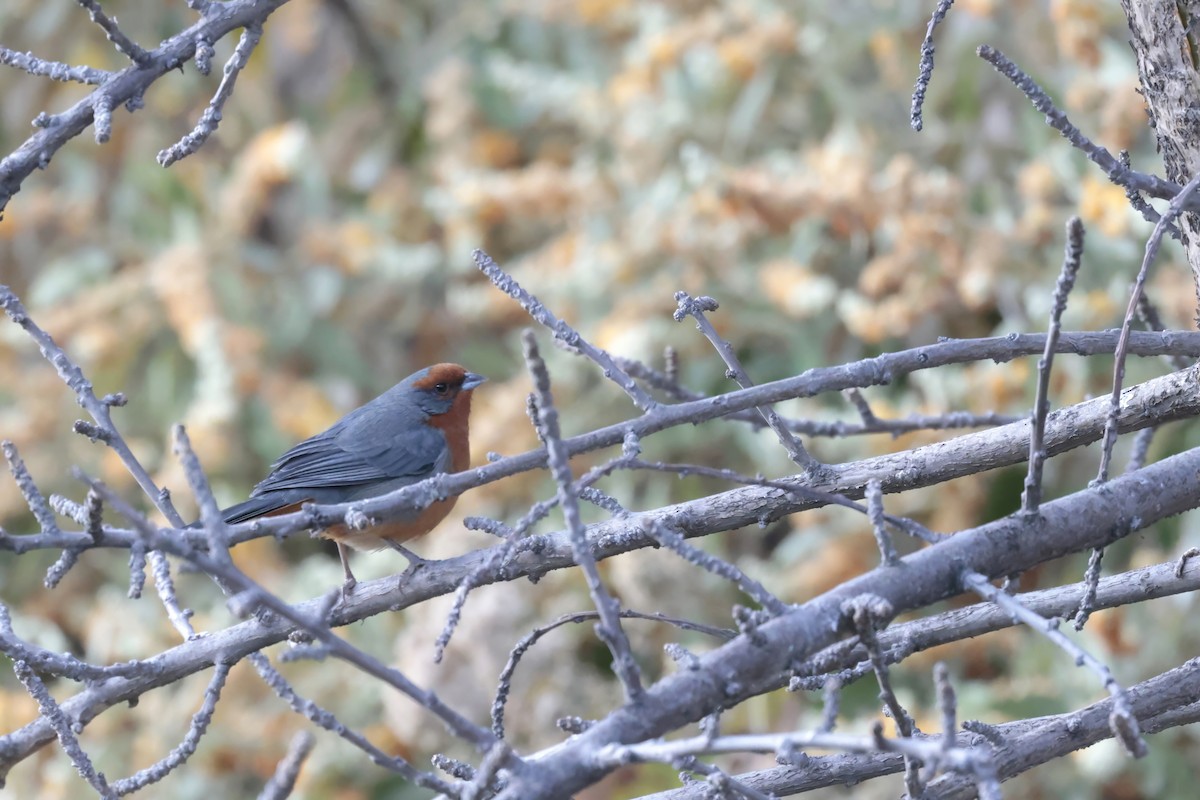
{"points": [[265, 506]]}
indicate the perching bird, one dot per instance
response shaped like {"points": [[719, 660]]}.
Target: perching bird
{"points": [[414, 430]]}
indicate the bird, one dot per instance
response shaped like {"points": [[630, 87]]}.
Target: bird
{"points": [[416, 429]]}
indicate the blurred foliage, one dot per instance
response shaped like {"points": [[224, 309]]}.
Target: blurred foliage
{"points": [[317, 249]]}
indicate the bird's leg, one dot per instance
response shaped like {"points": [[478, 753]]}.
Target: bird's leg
{"points": [[350, 582], [414, 560]]}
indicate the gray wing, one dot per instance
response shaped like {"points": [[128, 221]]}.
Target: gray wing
{"points": [[373, 445]]}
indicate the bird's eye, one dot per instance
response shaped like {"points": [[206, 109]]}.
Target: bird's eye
{"points": [[441, 388]]}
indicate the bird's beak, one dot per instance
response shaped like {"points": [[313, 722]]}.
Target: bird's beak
{"points": [[471, 380]]}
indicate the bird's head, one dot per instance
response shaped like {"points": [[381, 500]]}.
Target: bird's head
{"points": [[436, 389]]}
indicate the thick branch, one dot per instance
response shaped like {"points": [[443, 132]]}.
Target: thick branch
{"points": [[1090, 518], [1164, 40]]}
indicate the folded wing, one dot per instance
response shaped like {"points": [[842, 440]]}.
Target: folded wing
{"points": [[366, 448]]}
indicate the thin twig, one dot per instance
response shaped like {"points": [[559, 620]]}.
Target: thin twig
{"points": [[100, 410], [63, 664], [674, 541], [179, 756], [1122, 721], [126, 87], [504, 682], [871, 424], [794, 487], [1055, 118], [125, 46], [54, 70], [925, 68], [866, 612], [1091, 580], [1141, 449], [830, 700], [64, 729], [948, 705], [1175, 208], [962, 758], [288, 769], [874, 498], [1140, 205], [29, 490], [1032, 495], [327, 720], [609, 628], [211, 117], [563, 332], [696, 308]]}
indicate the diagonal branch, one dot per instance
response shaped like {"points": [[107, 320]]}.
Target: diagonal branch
{"points": [[1093, 517], [1117, 172], [695, 307], [563, 332]]}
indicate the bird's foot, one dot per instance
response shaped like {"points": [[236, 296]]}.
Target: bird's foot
{"points": [[348, 587]]}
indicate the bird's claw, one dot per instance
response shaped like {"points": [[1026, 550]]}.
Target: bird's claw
{"points": [[348, 588]]}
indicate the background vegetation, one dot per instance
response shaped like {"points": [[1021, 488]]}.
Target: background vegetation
{"points": [[317, 250]]}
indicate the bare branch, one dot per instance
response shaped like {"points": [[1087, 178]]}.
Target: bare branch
{"points": [[563, 332], [998, 548], [211, 117], [125, 46], [673, 540], [284, 780], [874, 496], [1032, 495], [695, 308], [925, 68], [63, 728], [1160, 703], [1122, 721], [871, 424], [327, 720], [1055, 118], [1175, 208], [609, 630], [866, 612], [504, 683], [126, 87], [105, 430], [53, 70], [1091, 579], [179, 756]]}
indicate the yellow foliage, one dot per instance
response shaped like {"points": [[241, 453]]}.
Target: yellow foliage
{"points": [[1077, 28], [299, 409], [593, 12], [270, 159], [1104, 204], [796, 289]]}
